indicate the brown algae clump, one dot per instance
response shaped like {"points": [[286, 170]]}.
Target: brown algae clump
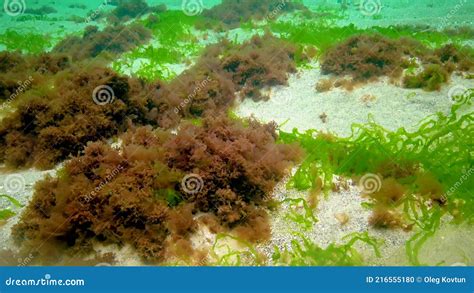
{"points": [[112, 39], [232, 13], [147, 193], [61, 114], [368, 57]]}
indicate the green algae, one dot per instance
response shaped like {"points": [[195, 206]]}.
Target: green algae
{"points": [[242, 253], [32, 43], [303, 252], [7, 213], [441, 147], [325, 35], [300, 213], [174, 43]]}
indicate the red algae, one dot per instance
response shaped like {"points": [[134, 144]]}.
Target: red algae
{"points": [[232, 13], [112, 39], [138, 195], [57, 118], [367, 57]]}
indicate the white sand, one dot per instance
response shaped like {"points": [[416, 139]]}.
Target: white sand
{"points": [[19, 185], [301, 105]]}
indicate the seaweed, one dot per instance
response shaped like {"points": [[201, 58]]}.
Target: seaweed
{"points": [[7, 213], [225, 255], [43, 10], [59, 116], [429, 79], [19, 73], [300, 212], [45, 111], [120, 196], [112, 39], [127, 9], [423, 170], [232, 13], [176, 44], [305, 253], [367, 57], [26, 42], [130, 9], [224, 69]]}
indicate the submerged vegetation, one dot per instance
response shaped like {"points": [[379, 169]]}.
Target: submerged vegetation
{"points": [[25, 42], [113, 39], [305, 253], [368, 57], [232, 13], [7, 213], [180, 163], [414, 178], [146, 193]]}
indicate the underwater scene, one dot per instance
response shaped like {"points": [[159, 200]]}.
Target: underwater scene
{"points": [[237, 133]]}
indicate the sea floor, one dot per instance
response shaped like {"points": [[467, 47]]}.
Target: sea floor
{"points": [[299, 105]]}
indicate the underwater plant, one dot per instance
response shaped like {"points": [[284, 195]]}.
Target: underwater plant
{"points": [[18, 72], [232, 13], [112, 39], [303, 252], [367, 57], [223, 70], [26, 42], [147, 193], [429, 79], [425, 173], [129, 9], [59, 116], [7, 213], [43, 10]]}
